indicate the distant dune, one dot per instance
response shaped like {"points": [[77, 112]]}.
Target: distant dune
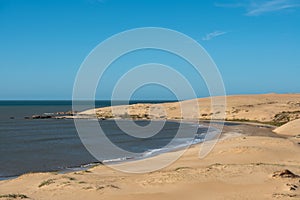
{"points": [[275, 109]]}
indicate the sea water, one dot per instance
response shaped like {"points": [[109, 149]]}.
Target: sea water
{"points": [[39, 145]]}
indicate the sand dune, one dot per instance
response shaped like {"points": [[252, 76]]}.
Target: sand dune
{"points": [[292, 128], [275, 109]]}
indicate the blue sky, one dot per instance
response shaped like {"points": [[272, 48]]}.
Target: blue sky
{"points": [[255, 43]]}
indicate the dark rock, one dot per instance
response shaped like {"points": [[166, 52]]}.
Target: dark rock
{"points": [[46, 116], [41, 116]]}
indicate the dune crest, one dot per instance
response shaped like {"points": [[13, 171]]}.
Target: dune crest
{"points": [[275, 109]]}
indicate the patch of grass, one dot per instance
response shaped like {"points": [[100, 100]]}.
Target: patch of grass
{"points": [[176, 117], [100, 187], [238, 120], [272, 123], [113, 186], [47, 182], [275, 123], [70, 178], [249, 106], [87, 188], [14, 196], [108, 186]]}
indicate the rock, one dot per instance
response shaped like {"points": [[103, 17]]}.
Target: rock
{"points": [[35, 116], [46, 116], [68, 113], [41, 116], [285, 174]]}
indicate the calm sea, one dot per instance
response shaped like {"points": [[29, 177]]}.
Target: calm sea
{"points": [[37, 145]]}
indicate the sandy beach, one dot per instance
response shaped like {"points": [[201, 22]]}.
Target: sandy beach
{"points": [[250, 161]]}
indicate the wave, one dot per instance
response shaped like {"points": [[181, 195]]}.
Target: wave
{"points": [[181, 143]]}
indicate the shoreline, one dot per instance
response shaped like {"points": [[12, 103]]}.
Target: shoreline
{"points": [[87, 166], [245, 164], [83, 167]]}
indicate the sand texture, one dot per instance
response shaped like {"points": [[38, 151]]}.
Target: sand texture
{"points": [[292, 128]]}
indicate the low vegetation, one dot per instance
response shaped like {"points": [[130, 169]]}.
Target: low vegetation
{"points": [[286, 116], [47, 182], [272, 123], [70, 178], [14, 196]]}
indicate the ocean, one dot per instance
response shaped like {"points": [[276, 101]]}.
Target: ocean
{"points": [[40, 145]]}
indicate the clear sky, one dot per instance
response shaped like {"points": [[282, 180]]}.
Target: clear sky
{"points": [[255, 43]]}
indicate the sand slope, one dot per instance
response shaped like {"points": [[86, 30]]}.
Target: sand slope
{"points": [[292, 128]]}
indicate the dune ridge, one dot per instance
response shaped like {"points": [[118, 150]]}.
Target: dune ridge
{"points": [[275, 109]]}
